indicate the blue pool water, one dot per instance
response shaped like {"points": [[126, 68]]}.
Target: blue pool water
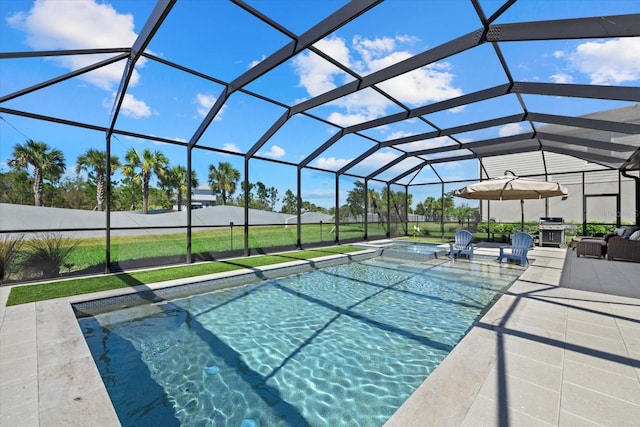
{"points": [[414, 251], [343, 345], [423, 248]]}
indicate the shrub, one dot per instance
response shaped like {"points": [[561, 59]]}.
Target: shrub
{"points": [[47, 252], [599, 230], [9, 249]]}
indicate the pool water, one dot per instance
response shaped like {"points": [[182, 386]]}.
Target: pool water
{"points": [[343, 345], [413, 251], [423, 248]]}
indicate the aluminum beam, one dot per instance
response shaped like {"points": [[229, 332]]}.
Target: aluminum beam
{"points": [[562, 29], [618, 93], [438, 106], [607, 161], [581, 122], [73, 52], [389, 165], [584, 142], [408, 172], [428, 57], [63, 77], [358, 159], [330, 24], [476, 144], [320, 149]]}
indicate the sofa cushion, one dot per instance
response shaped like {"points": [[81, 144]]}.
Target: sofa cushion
{"points": [[619, 231], [628, 231], [635, 235]]}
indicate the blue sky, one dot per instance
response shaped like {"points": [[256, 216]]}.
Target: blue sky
{"points": [[222, 40]]}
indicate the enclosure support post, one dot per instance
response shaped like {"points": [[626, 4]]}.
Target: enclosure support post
{"points": [[406, 210], [619, 203], [637, 189], [388, 210], [442, 211], [337, 209], [366, 210], [298, 211], [189, 189], [107, 254], [584, 208], [246, 206], [488, 219]]}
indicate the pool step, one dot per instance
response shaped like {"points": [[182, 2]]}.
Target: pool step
{"points": [[411, 256]]}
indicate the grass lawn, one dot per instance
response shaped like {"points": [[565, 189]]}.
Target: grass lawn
{"points": [[91, 251], [66, 288]]}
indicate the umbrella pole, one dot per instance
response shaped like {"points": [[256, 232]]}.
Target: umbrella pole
{"points": [[521, 215]]}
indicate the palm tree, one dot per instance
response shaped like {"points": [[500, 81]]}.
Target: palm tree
{"points": [[430, 207], [130, 173], [95, 163], [46, 162], [176, 177], [223, 180], [150, 163]]}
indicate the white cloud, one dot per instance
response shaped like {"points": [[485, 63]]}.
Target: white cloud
{"points": [[427, 84], [561, 78], [345, 120], [379, 159], [419, 87], [426, 144], [331, 163], [274, 152], [79, 24], [256, 62], [370, 49], [131, 107], [317, 75], [229, 146], [510, 129], [398, 134], [610, 62], [423, 144], [205, 102]]}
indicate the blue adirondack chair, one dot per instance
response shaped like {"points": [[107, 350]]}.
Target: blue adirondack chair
{"points": [[462, 244], [520, 244]]}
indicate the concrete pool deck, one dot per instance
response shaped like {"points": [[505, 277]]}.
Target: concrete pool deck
{"points": [[546, 353]]}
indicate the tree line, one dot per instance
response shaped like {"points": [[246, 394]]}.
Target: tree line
{"points": [[37, 174]]}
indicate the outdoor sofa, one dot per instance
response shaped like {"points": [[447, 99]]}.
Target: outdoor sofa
{"points": [[624, 243], [618, 247]]}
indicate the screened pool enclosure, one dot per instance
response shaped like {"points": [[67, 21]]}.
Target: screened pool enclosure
{"points": [[338, 118]]}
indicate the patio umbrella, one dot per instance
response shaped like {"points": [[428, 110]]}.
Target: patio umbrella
{"points": [[511, 187]]}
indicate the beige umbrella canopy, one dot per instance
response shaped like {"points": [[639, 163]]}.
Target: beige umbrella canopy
{"points": [[511, 187]]}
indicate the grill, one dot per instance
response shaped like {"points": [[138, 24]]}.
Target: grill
{"points": [[552, 231]]}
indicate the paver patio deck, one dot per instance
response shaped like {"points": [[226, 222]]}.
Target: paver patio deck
{"points": [[562, 347]]}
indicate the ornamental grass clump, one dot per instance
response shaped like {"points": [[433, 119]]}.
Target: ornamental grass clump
{"points": [[47, 253], [9, 249]]}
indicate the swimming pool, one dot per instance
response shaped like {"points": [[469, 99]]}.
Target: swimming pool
{"points": [[342, 345]]}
